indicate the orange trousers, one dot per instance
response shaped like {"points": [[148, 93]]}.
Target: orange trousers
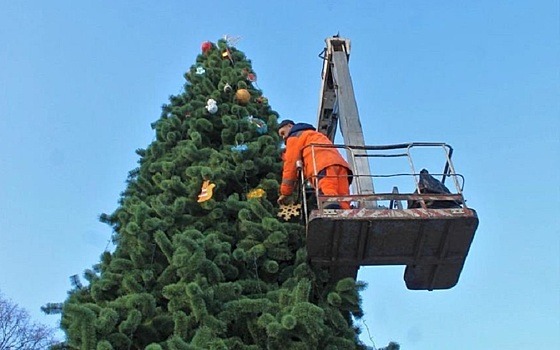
{"points": [[333, 181]]}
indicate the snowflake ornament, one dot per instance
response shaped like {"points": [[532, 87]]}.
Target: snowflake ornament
{"points": [[288, 211]]}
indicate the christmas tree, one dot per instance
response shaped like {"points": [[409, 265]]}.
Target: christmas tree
{"points": [[201, 260]]}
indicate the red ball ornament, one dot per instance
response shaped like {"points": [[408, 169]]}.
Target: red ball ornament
{"points": [[206, 46]]}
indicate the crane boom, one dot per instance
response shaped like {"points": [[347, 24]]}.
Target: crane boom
{"points": [[338, 104]]}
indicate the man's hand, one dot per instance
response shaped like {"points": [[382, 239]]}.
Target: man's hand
{"points": [[282, 199]]}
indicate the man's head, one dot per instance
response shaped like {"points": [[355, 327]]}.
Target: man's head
{"points": [[284, 128]]}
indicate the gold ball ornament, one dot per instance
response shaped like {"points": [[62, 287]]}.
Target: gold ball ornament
{"points": [[242, 96]]}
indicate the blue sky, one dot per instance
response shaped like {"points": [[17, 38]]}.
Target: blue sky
{"points": [[80, 83]]}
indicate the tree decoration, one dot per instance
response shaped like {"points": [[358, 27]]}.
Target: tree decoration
{"points": [[232, 40], [239, 148], [200, 70], [252, 77], [206, 47], [212, 106], [256, 193], [227, 88], [261, 100], [288, 210], [249, 75], [226, 55], [242, 96], [206, 192], [262, 128]]}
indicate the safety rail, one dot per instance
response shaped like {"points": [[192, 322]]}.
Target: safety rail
{"points": [[416, 197]]}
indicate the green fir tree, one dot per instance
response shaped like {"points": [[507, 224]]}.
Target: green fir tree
{"points": [[224, 273]]}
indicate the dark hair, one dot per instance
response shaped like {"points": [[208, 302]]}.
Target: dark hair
{"points": [[285, 122]]}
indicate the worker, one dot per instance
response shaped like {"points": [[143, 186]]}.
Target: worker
{"points": [[328, 172]]}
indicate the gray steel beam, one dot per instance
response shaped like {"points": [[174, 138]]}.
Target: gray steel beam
{"points": [[337, 103], [328, 118], [350, 125]]}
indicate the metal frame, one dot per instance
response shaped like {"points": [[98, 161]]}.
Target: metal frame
{"points": [[366, 152]]}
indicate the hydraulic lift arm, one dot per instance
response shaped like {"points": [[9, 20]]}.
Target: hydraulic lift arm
{"points": [[337, 103]]}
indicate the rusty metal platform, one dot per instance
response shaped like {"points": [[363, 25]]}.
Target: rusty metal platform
{"points": [[432, 243]]}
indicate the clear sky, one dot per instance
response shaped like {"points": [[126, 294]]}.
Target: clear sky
{"points": [[81, 81]]}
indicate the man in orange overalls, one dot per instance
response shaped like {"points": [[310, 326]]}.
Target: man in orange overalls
{"points": [[324, 166]]}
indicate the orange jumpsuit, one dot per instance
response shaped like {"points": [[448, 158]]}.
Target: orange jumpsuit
{"points": [[324, 166]]}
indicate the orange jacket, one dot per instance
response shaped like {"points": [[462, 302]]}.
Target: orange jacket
{"points": [[314, 159]]}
